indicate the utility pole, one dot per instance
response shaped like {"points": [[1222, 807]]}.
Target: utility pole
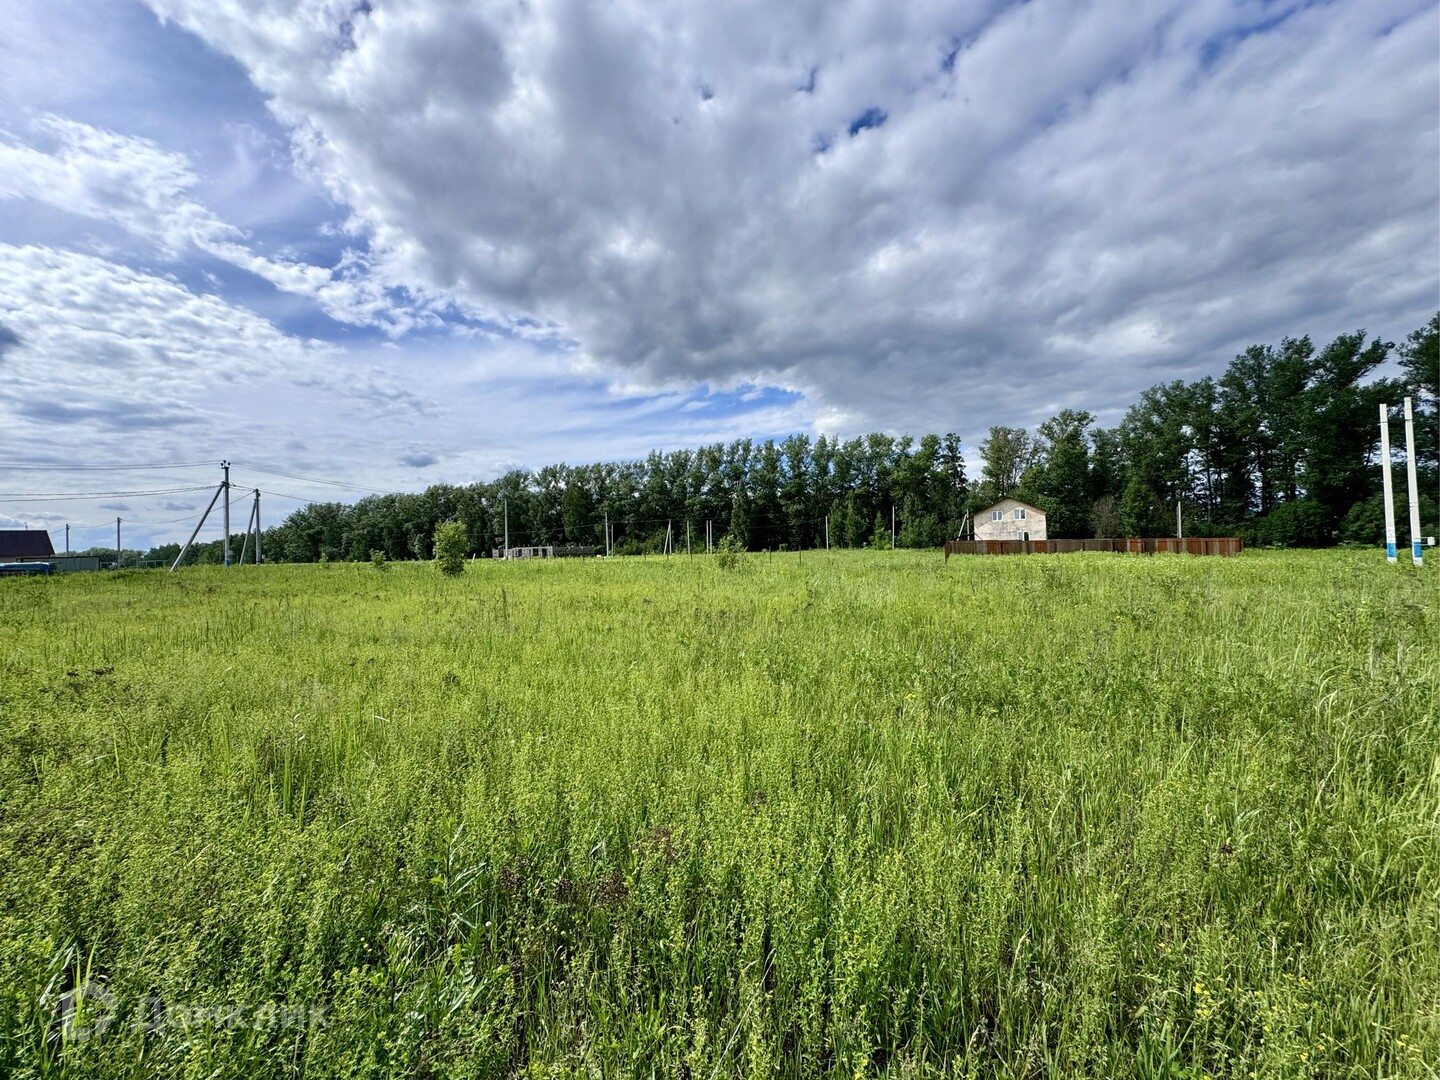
{"points": [[1385, 478], [245, 544], [505, 501], [667, 537], [1415, 556], [226, 485], [688, 552], [607, 534], [827, 532], [117, 543], [1179, 531], [252, 523], [892, 526], [67, 538]]}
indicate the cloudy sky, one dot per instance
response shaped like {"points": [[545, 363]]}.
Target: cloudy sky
{"points": [[394, 242]]}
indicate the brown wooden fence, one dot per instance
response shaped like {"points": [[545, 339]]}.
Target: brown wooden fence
{"points": [[1188, 545]]}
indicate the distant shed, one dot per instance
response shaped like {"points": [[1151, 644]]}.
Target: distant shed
{"points": [[18, 544]]}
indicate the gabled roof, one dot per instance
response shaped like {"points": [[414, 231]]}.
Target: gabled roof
{"points": [[23, 543], [1008, 499]]}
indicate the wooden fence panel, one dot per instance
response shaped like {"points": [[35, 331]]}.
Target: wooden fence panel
{"points": [[1189, 545]]}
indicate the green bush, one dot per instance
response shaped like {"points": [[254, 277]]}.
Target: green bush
{"points": [[730, 554], [378, 560], [450, 546]]}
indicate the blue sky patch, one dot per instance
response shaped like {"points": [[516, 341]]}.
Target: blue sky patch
{"points": [[1220, 45], [872, 117]]}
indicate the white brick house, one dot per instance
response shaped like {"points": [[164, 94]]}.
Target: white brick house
{"points": [[1010, 519]]}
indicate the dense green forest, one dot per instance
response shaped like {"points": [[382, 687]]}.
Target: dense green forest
{"points": [[1282, 449]]}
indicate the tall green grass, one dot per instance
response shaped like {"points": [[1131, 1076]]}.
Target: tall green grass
{"points": [[853, 815]]}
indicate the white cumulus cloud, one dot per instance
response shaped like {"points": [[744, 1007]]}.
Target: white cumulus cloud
{"points": [[909, 212]]}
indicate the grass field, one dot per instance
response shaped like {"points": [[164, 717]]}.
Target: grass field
{"points": [[861, 814]]}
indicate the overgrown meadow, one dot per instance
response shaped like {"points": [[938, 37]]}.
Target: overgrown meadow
{"points": [[851, 815]]}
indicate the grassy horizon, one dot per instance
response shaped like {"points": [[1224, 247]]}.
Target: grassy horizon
{"points": [[846, 814]]}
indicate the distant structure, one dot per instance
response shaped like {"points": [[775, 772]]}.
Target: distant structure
{"points": [[575, 551], [14, 569], [545, 551], [531, 552], [1010, 519], [31, 546], [17, 545], [74, 564]]}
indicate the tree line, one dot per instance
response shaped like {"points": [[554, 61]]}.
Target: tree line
{"points": [[1281, 449]]}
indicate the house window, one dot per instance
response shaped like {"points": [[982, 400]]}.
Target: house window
{"points": [[1024, 536], [1019, 513], [997, 515]]}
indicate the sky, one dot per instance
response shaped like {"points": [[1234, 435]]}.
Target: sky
{"points": [[390, 243]]}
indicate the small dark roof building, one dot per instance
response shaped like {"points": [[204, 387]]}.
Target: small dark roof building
{"points": [[25, 544]]}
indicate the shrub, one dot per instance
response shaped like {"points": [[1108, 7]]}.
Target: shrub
{"points": [[730, 554], [450, 544], [378, 560]]}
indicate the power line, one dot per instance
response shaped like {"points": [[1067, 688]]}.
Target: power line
{"points": [[60, 496], [314, 479], [282, 495], [104, 468]]}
